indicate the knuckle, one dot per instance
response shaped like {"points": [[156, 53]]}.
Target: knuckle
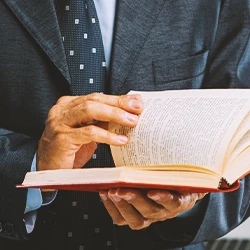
{"points": [[115, 112], [152, 214], [61, 137], [53, 125], [120, 101], [62, 99], [156, 213], [57, 131], [178, 201], [187, 202], [54, 111], [164, 216], [85, 108], [90, 131], [92, 97], [108, 136]]}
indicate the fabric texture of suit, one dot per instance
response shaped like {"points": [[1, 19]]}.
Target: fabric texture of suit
{"points": [[158, 45]]}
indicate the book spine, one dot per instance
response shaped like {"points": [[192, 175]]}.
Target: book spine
{"points": [[224, 184]]}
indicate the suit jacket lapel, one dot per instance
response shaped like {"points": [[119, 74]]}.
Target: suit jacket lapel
{"points": [[39, 18], [134, 22]]}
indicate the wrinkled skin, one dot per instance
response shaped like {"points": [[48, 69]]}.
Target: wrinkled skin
{"points": [[74, 127]]}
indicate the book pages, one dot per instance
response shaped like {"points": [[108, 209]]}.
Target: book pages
{"points": [[240, 140], [239, 167], [188, 127]]}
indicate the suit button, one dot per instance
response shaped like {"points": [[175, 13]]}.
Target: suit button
{"points": [[50, 219], [8, 228]]}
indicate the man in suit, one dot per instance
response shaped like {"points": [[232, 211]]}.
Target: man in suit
{"points": [[157, 45]]}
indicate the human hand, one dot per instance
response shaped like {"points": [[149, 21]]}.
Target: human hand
{"points": [[70, 136], [139, 209]]}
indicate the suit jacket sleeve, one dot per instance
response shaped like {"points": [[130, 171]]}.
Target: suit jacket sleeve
{"points": [[228, 67], [17, 152], [28, 90]]}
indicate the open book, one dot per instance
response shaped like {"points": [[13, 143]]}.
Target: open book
{"points": [[189, 140]]}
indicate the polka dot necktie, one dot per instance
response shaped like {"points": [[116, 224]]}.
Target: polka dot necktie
{"points": [[89, 227]]}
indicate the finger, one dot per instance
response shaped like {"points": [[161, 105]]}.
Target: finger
{"points": [[78, 136], [66, 99], [133, 217], [174, 202], [146, 207], [131, 103], [84, 154], [112, 210], [87, 112]]}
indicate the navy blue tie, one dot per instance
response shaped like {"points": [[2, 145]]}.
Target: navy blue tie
{"points": [[89, 227], [83, 44]]}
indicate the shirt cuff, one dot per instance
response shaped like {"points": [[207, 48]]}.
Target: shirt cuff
{"points": [[48, 197], [34, 196], [30, 220]]}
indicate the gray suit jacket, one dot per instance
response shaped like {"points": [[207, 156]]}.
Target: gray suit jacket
{"points": [[158, 45]]}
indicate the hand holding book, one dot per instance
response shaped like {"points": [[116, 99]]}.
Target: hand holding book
{"points": [[70, 135], [187, 140], [138, 209]]}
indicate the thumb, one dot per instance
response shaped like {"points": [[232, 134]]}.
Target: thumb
{"points": [[84, 154]]}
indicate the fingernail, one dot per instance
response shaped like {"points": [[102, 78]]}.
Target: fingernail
{"points": [[122, 139], [103, 196], [127, 197], [135, 104], [155, 197], [146, 223], [131, 118], [116, 198]]}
